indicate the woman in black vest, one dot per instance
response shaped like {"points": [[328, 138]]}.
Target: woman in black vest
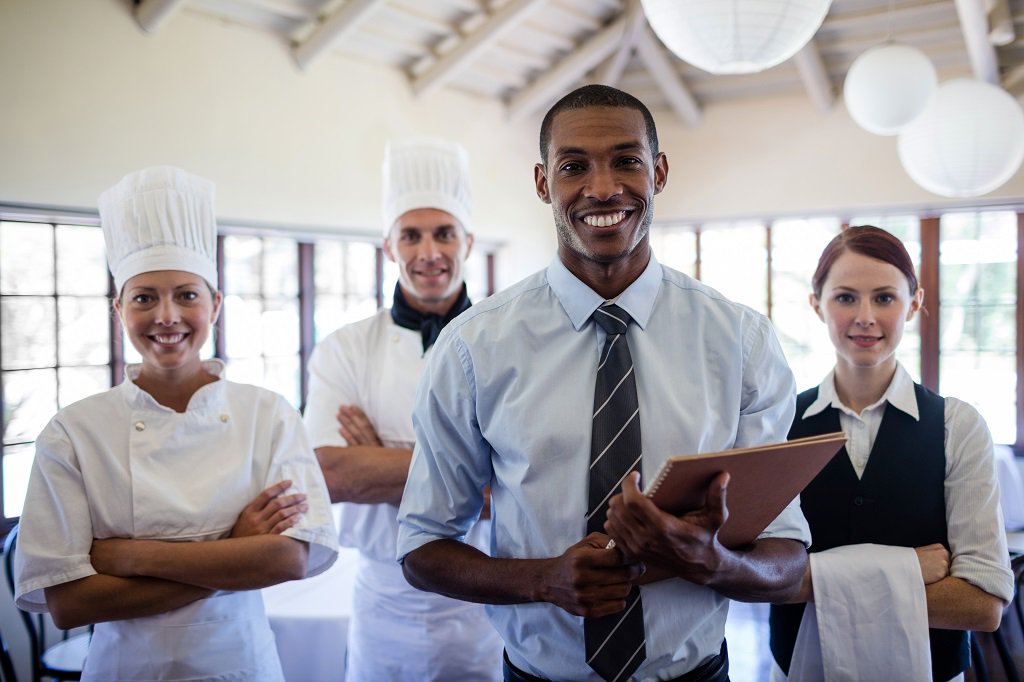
{"points": [[917, 471]]}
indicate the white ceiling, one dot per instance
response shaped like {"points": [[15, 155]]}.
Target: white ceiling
{"points": [[526, 53]]}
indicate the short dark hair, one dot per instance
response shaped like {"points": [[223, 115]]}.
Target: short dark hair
{"points": [[870, 241], [596, 95]]}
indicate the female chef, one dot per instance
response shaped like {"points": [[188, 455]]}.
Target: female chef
{"points": [[156, 509]]}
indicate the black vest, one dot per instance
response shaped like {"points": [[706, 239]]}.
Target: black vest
{"points": [[899, 501]]}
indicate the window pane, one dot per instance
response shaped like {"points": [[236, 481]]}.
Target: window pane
{"points": [[734, 260], [81, 261], [796, 247], [17, 467], [29, 323], [280, 323], [282, 375], [242, 264], [977, 274], [333, 312], [242, 326], [676, 247], [475, 275], [280, 267], [30, 400], [245, 370], [345, 268], [80, 382], [84, 334], [26, 258]]}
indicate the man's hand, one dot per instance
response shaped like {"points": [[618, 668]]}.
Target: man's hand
{"points": [[934, 561], [590, 580], [355, 427], [687, 546], [271, 513]]}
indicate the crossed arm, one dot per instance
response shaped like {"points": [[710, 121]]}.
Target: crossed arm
{"points": [[138, 578], [953, 603], [590, 579]]}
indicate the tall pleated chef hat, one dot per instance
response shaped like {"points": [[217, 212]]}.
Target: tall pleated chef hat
{"points": [[160, 218], [425, 172]]}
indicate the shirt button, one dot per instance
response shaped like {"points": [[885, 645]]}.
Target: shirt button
{"points": [[224, 418], [140, 426], [859, 501]]}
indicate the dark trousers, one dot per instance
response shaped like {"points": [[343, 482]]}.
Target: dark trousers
{"points": [[715, 669]]}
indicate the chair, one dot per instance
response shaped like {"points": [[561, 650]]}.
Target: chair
{"points": [[61, 661], [6, 664]]}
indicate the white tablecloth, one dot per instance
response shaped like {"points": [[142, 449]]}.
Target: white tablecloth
{"points": [[310, 621]]}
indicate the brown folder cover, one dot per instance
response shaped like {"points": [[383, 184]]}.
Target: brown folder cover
{"points": [[763, 480]]}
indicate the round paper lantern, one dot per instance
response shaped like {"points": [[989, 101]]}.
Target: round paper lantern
{"points": [[968, 141], [738, 36], [887, 87]]}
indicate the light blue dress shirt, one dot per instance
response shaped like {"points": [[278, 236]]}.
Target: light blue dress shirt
{"points": [[507, 400]]}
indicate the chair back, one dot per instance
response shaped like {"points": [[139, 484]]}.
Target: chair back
{"points": [[34, 625]]}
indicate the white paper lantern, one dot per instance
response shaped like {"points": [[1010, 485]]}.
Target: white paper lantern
{"points": [[735, 36], [968, 141], [887, 87]]}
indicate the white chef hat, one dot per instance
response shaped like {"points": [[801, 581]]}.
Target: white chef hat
{"points": [[425, 172], [160, 218]]}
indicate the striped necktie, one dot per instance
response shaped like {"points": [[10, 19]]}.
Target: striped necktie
{"points": [[615, 643]]}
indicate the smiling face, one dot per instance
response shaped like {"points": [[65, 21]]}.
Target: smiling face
{"points": [[430, 248], [600, 178], [167, 315], [866, 303]]}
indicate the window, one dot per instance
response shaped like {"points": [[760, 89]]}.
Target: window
{"points": [[60, 341], [676, 247], [964, 343], [796, 246], [55, 345], [261, 313], [978, 280], [732, 260]]}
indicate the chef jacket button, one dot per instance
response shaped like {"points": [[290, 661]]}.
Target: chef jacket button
{"points": [[395, 338], [140, 426], [224, 418]]}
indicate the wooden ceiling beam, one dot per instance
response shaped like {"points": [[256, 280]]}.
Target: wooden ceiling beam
{"points": [[610, 71], [331, 30], [814, 75], [554, 82], [980, 50], [663, 69], [447, 66]]}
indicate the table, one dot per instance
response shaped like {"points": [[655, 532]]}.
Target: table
{"points": [[310, 621]]}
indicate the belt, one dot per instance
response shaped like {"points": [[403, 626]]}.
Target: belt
{"points": [[714, 669]]}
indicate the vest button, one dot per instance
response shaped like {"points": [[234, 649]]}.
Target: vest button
{"points": [[859, 501]]}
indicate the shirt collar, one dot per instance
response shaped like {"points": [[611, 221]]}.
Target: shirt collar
{"points": [[206, 395], [580, 301], [900, 394]]}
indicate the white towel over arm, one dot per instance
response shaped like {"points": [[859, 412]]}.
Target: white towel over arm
{"points": [[870, 618]]}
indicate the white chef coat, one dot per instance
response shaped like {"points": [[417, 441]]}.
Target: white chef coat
{"points": [[397, 632], [120, 465]]}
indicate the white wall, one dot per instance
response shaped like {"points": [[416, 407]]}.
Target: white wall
{"points": [[86, 96]]}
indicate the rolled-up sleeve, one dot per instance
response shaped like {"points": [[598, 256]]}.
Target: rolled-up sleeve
{"points": [[974, 519]]}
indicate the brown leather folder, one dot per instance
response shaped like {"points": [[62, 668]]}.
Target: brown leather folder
{"points": [[763, 480]]}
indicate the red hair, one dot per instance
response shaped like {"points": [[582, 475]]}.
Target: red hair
{"points": [[870, 241]]}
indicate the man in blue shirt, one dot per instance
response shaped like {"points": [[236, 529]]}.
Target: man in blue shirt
{"points": [[507, 399]]}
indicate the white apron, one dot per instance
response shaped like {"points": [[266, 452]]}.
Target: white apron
{"points": [[227, 632]]}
